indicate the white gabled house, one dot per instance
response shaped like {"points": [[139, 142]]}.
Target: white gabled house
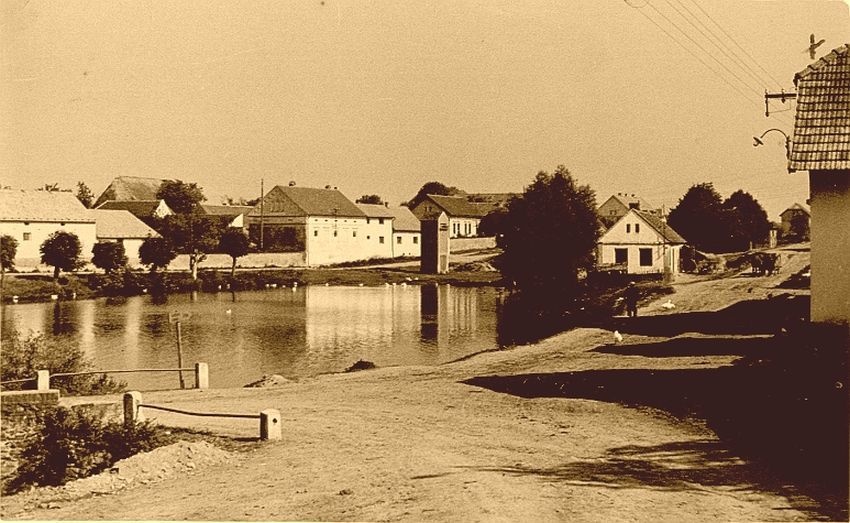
{"points": [[641, 243]]}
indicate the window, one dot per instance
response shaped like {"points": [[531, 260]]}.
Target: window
{"points": [[612, 213], [27, 236], [334, 234], [415, 239], [368, 237], [368, 221], [398, 239], [621, 256], [637, 227], [628, 227], [354, 234], [380, 239], [315, 233], [61, 224], [380, 221], [645, 257]]}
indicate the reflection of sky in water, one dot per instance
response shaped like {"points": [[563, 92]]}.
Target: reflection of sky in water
{"points": [[296, 333]]}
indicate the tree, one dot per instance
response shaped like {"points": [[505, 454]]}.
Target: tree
{"points": [[700, 218], [747, 221], [193, 234], [494, 224], [85, 195], [156, 253], [182, 198], [550, 235], [62, 251], [109, 256], [433, 188], [235, 244], [370, 198], [8, 251]]}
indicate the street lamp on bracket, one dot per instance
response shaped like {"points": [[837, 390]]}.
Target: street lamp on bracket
{"points": [[758, 141]]}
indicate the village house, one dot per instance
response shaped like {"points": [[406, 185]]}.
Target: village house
{"points": [[144, 210], [641, 243], [464, 215], [124, 228], [130, 188], [619, 204], [378, 230], [323, 223], [232, 215], [31, 216], [821, 146], [796, 223], [407, 235]]}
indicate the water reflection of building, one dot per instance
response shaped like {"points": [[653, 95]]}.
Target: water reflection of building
{"points": [[447, 312]]}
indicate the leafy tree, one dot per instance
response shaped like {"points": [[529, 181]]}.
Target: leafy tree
{"points": [[550, 235], [156, 253], [494, 224], [747, 221], [85, 195], [235, 244], [109, 256], [799, 228], [370, 198], [182, 198], [8, 250], [193, 234], [700, 218], [62, 251], [433, 188]]}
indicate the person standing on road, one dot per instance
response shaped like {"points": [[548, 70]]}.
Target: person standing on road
{"points": [[631, 296]]}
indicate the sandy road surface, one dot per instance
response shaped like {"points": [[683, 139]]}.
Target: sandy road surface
{"points": [[414, 443]]}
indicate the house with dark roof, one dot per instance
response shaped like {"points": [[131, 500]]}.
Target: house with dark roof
{"points": [[796, 223], [464, 215], [31, 216], [821, 146], [232, 215], [144, 210], [641, 242], [323, 223], [122, 227], [407, 233], [130, 188], [619, 204]]}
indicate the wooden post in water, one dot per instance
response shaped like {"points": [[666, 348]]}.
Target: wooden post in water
{"points": [[180, 354]]}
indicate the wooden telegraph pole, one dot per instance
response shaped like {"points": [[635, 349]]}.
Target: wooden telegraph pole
{"points": [[262, 212], [176, 318]]}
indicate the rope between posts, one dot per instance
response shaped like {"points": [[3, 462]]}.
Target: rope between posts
{"points": [[24, 380], [202, 414], [117, 371]]}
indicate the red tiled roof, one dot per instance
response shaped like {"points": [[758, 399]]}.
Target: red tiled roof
{"points": [[822, 127], [405, 220], [230, 211], [374, 210]]}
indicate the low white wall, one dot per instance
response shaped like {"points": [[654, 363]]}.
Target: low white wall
{"points": [[259, 259], [471, 244]]}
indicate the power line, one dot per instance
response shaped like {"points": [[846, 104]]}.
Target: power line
{"points": [[778, 83], [689, 51], [716, 41], [703, 49]]}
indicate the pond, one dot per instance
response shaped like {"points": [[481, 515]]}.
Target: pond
{"points": [[297, 333]]}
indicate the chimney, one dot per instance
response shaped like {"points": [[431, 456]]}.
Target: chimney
{"points": [[327, 186], [292, 183], [387, 205]]}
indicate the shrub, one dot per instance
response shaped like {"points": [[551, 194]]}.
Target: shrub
{"points": [[21, 358], [74, 443]]}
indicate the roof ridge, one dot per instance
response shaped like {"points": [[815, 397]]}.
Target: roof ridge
{"points": [[823, 61]]}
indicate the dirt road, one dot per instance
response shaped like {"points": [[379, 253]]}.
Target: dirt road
{"points": [[415, 443]]}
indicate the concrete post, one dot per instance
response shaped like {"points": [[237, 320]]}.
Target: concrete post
{"points": [[270, 425], [132, 413], [43, 380], [202, 376]]}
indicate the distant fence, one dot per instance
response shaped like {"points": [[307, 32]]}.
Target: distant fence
{"points": [[42, 377], [270, 424], [471, 244]]}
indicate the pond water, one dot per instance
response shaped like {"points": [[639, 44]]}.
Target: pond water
{"points": [[293, 332]]}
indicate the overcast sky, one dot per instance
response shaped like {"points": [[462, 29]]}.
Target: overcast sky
{"points": [[381, 97]]}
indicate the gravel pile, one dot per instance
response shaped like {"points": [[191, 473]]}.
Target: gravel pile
{"points": [[181, 458]]}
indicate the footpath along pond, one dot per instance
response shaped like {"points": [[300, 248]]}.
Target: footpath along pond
{"points": [[293, 332]]}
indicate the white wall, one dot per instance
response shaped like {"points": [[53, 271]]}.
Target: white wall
{"points": [[633, 234], [28, 255], [463, 227], [335, 240], [374, 230], [407, 244]]}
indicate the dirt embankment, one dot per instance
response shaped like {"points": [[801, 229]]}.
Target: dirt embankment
{"points": [[418, 443]]}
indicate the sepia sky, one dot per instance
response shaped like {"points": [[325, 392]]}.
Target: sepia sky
{"points": [[381, 97]]}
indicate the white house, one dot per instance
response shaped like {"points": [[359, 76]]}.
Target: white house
{"points": [[407, 235], [31, 216], [641, 242], [379, 230], [464, 215], [122, 227], [323, 223], [619, 204]]}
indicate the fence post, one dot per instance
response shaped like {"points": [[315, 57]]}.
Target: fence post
{"points": [[43, 380], [202, 376], [270, 424], [132, 414]]}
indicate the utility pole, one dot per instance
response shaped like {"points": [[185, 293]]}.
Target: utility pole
{"points": [[262, 212], [782, 96]]}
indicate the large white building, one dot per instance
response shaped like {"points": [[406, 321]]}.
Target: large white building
{"points": [[379, 230], [31, 216], [641, 243]]}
